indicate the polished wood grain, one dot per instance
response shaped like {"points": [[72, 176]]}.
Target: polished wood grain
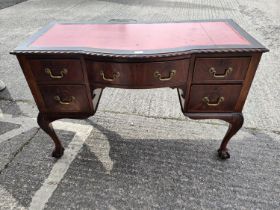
{"points": [[213, 78], [138, 75], [207, 70], [57, 70], [65, 98], [213, 98]]}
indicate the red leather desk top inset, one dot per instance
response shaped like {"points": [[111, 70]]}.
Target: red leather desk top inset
{"points": [[140, 36]]}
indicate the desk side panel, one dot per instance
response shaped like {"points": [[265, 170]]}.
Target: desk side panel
{"points": [[23, 61], [248, 81]]}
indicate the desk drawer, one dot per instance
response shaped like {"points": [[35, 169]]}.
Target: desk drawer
{"points": [[58, 70], [213, 98], [65, 98], [157, 74], [211, 69]]}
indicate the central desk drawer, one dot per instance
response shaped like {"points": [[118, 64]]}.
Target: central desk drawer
{"points": [[211, 69], [57, 70], [157, 74], [213, 98], [65, 98]]}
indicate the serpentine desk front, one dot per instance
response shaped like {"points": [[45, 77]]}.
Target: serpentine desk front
{"points": [[211, 63]]}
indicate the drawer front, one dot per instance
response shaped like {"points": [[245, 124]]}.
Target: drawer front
{"points": [[65, 98], [211, 69], [157, 74], [58, 70], [213, 98]]}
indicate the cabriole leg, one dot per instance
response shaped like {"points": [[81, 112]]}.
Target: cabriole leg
{"points": [[235, 123], [45, 123]]}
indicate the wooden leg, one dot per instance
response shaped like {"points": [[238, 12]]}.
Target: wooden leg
{"points": [[235, 121], [45, 123]]}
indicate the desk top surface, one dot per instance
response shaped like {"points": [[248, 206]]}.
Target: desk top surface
{"points": [[139, 38]]}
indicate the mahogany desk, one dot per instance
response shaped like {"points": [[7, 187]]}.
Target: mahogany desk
{"points": [[211, 63]]}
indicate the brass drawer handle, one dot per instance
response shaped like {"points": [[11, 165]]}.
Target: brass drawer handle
{"points": [[115, 76], [171, 74], [62, 73], [57, 98], [207, 101], [212, 71]]}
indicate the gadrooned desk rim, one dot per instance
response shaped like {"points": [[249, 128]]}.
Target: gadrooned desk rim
{"points": [[255, 46]]}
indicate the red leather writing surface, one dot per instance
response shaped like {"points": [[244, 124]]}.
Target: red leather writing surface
{"points": [[140, 36]]}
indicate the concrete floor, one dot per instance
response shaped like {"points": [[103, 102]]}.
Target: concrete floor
{"points": [[139, 151]]}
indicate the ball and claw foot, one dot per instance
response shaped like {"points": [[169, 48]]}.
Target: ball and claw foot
{"points": [[223, 154], [58, 152]]}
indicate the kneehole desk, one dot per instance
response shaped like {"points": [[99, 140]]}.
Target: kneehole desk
{"points": [[211, 63]]}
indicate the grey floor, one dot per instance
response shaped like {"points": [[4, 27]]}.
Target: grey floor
{"points": [[8, 3]]}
